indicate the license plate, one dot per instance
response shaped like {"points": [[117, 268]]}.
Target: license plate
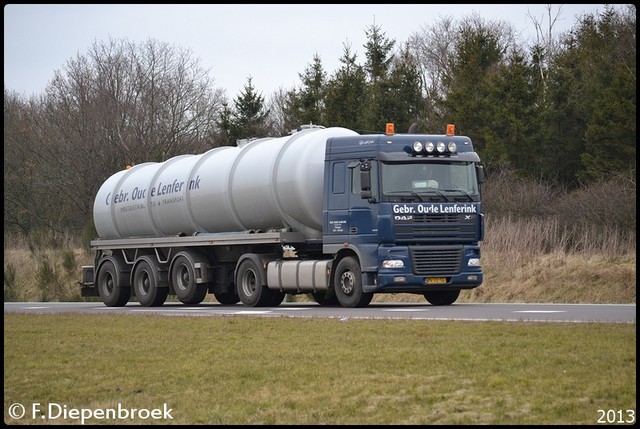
{"points": [[436, 280]]}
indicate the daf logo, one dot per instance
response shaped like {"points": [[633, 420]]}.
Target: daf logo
{"points": [[403, 217]]}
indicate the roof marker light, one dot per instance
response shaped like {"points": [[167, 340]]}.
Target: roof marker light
{"points": [[390, 130], [451, 130]]}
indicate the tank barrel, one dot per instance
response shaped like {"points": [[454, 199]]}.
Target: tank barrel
{"points": [[264, 184]]}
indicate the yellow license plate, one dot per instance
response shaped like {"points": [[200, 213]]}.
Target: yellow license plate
{"points": [[436, 280]]}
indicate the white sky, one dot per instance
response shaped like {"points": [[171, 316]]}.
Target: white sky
{"points": [[271, 43]]}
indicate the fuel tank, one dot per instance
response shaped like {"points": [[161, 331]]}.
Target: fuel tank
{"points": [[263, 184]]}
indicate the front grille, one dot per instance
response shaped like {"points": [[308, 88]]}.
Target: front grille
{"points": [[436, 260], [436, 218], [436, 227]]}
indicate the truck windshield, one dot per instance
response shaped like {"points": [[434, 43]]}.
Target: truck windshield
{"points": [[442, 181]]}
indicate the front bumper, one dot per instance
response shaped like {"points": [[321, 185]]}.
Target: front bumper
{"points": [[427, 268]]}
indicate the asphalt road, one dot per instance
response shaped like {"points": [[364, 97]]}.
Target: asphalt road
{"points": [[605, 313]]}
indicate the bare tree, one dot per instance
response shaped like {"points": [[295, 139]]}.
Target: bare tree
{"points": [[432, 47], [546, 45], [21, 168], [280, 118], [120, 103]]}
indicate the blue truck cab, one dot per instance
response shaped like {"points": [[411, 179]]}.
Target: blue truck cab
{"points": [[403, 214]]}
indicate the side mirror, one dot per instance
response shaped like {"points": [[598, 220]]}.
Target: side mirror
{"points": [[365, 179], [480, 173]]}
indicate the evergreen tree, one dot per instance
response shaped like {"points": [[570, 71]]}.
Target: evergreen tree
{"points": [[603, 53], [403, 104], [250, 114], [305, 105], [380, 108], [468, 100], [378, 52], [590, 128], [517, 115], [312, 93], [346, 93]]}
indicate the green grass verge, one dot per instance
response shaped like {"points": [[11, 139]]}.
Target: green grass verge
{"points": [[253, 370]]}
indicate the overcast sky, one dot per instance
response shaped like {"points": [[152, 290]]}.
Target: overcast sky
{"points": [[271, 43]]}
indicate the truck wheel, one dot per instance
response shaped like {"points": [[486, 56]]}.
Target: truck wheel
{"points": [[183, 279], [442, 297], [276, 298], [226, 298], [110, 292], [324, 298], [348, 284], [145, 286], [250, 285]]}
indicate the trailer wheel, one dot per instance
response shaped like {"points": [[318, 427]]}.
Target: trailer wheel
{"points": [[183, 279], [442, 297], [145, 285], [111, 293], [251, 286], [348, 284]]}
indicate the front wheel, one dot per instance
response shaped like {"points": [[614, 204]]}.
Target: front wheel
{"points": [[325, 298], [442, 297], [276, 298], [347, 281]]}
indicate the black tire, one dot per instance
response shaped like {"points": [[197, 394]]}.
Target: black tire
{"points": [[276, 297], [366, 299], [442, 297], [251, 286], [183, 279], [111, 293], [325, 299], [226, 298], [348, 284], [145, 286]]}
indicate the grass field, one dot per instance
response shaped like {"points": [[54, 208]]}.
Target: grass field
{"points": [[245, 370]]}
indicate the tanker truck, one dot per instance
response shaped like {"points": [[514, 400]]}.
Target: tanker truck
{"points": [[325, 212]]}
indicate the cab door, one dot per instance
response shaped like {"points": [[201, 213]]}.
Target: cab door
{"points": [[363, 207], [337, 210]]}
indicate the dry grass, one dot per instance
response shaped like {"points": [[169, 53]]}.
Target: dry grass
{"points": [[557, 278], [44, 275]]}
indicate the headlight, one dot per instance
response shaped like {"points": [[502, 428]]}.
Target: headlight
{"points": [[452, 147], [392, 263], [474, 262], [441, 147], [417, 147]]}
